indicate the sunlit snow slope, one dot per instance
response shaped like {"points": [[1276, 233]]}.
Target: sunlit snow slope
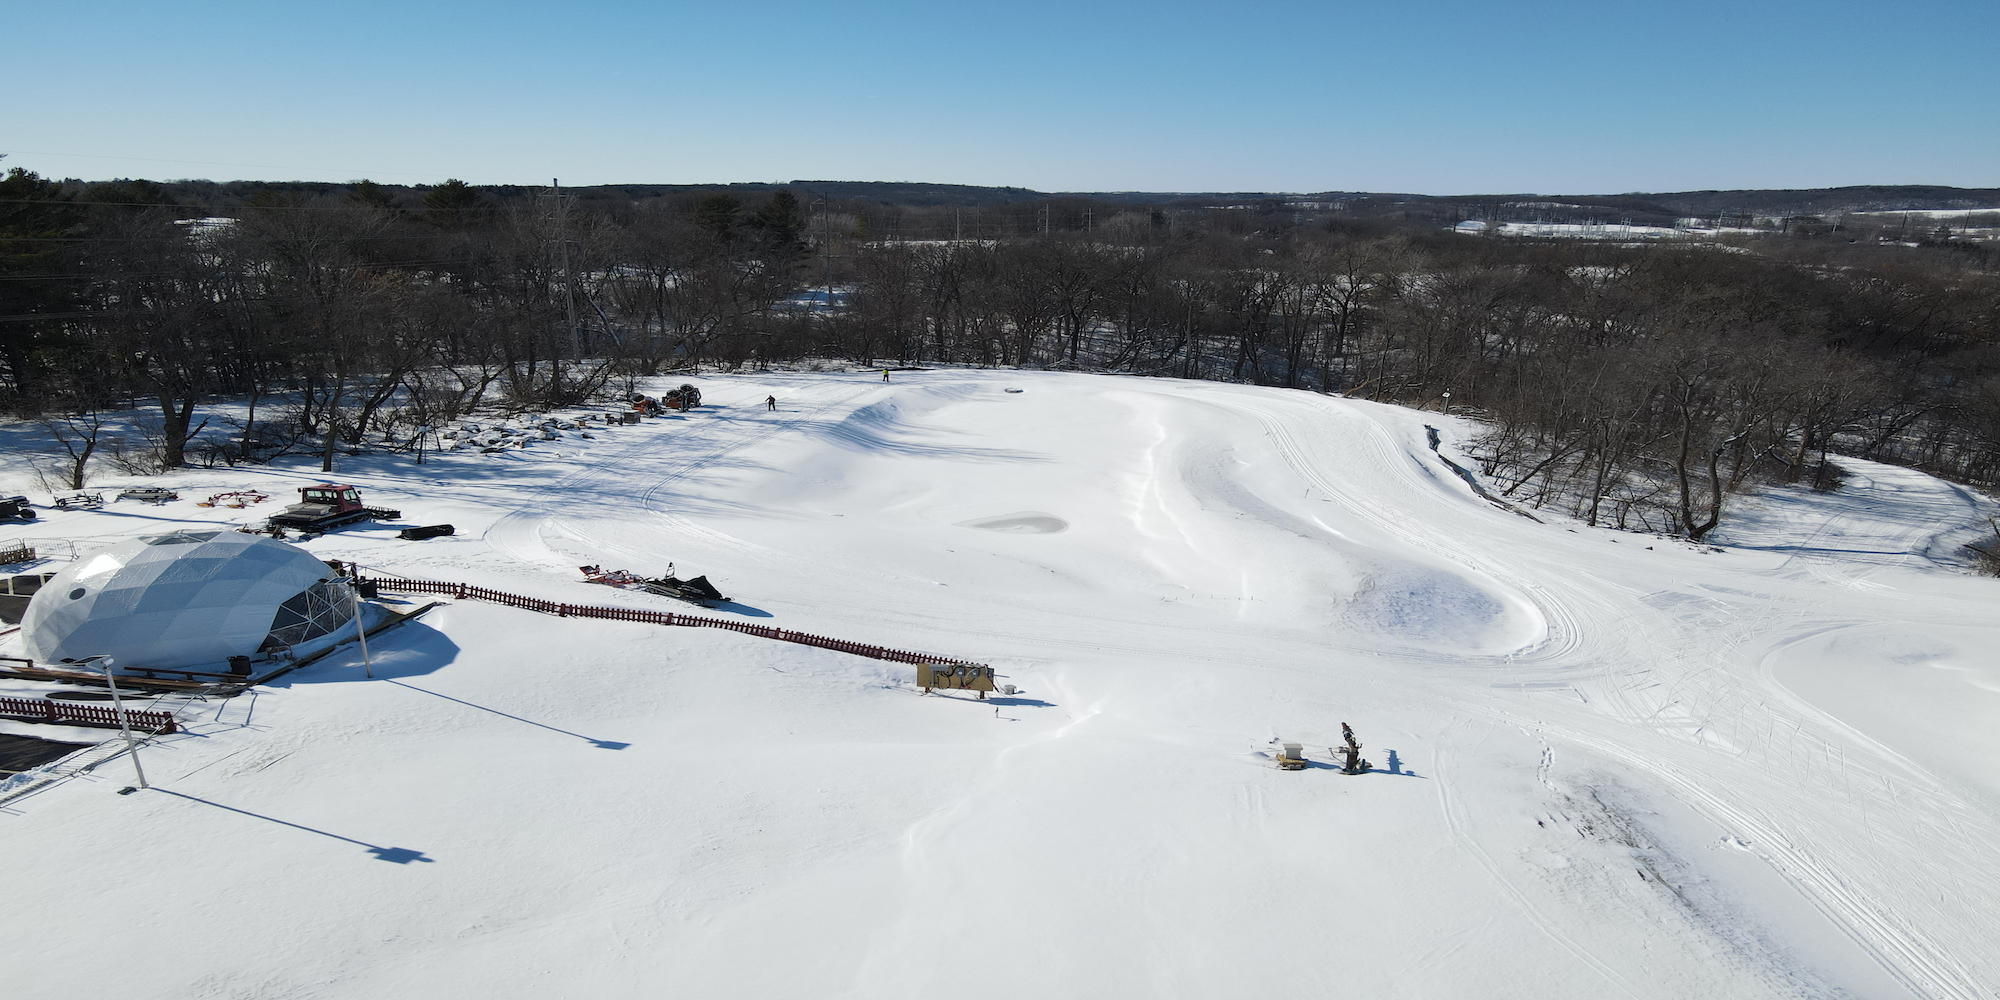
{"points": [[1609, 765]]}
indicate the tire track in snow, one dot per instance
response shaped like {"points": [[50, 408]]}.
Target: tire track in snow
{"points": [[1897, 946], [1456, 822], [519, 534]]}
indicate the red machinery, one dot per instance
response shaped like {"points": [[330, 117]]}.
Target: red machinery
{"points": [[327, 506]]}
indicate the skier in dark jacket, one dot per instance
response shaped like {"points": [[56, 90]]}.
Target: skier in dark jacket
{"points": [[771, 403]]}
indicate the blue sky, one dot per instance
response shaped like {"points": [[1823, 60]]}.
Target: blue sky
{"points": [[1435, 97]]}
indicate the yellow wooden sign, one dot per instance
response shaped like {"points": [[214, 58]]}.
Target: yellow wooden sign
{"points": [[961, 677]]}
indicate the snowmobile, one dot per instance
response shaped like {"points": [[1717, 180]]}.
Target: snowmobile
{"points": [[694, 591], [11, 507]]}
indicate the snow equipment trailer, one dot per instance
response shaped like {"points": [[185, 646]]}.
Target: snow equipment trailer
{"points": [[149, 494], [327, 506], [238, 498]]}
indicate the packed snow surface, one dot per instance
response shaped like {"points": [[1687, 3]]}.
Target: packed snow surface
{"points": [[1607, 764]]}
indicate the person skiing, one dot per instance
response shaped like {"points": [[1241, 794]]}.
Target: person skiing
{"points": [[771, 403], [885, 374]]}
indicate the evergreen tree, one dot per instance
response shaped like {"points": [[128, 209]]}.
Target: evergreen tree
{"points": [[453, 205], [36, 216], [135, 193], [371, 195], [718, 215], [780, 225]]}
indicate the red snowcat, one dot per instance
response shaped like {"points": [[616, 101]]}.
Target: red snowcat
{"points": [[327, 506]]}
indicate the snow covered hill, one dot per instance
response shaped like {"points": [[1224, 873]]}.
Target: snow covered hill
{"points": [[1608, 765]]}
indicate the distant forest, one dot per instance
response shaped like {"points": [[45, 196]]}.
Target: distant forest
{"points": [[1632, 382]]}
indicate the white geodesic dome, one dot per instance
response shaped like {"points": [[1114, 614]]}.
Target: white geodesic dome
{"points": [[183, 600]]}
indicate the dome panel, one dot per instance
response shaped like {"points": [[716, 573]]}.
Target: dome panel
{"points": [[222, 593], [110, 601], [191, 570], [152, 599], [98, 565], [181, 538]]}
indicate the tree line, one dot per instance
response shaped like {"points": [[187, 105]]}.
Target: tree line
{"points": [[1639, 384]]}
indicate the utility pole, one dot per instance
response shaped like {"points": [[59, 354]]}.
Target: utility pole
{"points": [[826, 247], [124, 723]]}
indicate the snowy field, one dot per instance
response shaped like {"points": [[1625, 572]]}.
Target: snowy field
{"points": [[1690, 229], [1933, 213], [1608, 764]]}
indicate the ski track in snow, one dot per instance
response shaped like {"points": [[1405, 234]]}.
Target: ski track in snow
{"points": [[1642, 657]]}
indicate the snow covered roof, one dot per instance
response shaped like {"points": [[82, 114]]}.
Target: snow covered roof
{"points": [[183, 599]]}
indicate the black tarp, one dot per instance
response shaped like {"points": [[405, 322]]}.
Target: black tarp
{"points": [[25, 753], [697, 589]]}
